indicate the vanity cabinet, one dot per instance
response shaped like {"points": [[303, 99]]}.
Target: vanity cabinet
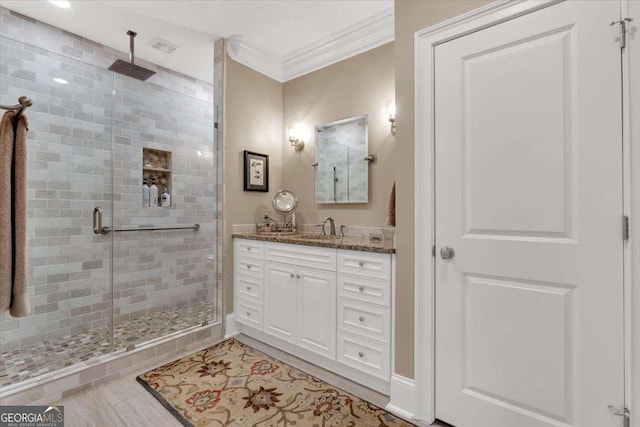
{"points": [[249, 282], [329, 306], [364, 311], [300, 301]]}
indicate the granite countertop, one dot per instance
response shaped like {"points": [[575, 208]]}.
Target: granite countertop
{"points": [[354, 243]]}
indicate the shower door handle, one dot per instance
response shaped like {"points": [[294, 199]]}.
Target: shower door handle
{"points": [[97, 222]]}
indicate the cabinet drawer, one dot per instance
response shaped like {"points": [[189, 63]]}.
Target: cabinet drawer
{"points": [[365, 264], [365, 319], [249, 248], [248, 287], [367, 289], [248, 313], [368, 356], [302, 256], [249, 266]]}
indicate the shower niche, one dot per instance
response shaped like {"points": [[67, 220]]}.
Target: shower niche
{"points": [[156, 168]]}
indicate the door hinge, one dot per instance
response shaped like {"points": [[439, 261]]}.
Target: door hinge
{"points": [[625, 228], [622, 412], [623, 30], [433, 251]]}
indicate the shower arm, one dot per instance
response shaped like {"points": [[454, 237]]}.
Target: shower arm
{"points": [[132, 35]]}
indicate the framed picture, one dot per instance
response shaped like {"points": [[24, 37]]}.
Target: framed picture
{"points": [[256, 171]]}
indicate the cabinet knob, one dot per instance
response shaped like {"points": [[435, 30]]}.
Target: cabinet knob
{"points": [[293, 275], [361, 318], [361, 288], [248, 288], [248, 313], [361, 354], [361, 263], [297, 276], [248, 249], [248, 267]]}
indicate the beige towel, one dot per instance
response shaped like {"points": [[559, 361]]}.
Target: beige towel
{"points": [[391, 215], [13, 215], [6, 232], [20, 299]]}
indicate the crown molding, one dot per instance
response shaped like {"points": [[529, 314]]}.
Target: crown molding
{"points": [[358, 38], [254, 56]]}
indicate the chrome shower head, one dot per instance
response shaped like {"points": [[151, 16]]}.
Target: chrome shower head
{"points": [[130, 68]]}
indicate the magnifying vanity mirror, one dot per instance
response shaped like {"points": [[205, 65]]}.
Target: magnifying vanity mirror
{"points": [[286, 203], [342, 167]]}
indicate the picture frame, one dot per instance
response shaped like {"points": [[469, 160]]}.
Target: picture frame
{"points": [[256, 171]]}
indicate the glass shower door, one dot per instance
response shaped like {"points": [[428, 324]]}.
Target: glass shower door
{"points": [[164, 280], [69, 173]]}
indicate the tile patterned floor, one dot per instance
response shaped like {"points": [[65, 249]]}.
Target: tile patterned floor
{"points": [[38, 359], [125, 403]]}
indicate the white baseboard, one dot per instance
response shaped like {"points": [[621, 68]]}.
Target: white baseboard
{"points": [[230, 328], [402, 399]]}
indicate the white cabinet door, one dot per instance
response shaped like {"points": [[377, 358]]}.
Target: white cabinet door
{"points": [[529, 311], [317, 310], [280, 301]]}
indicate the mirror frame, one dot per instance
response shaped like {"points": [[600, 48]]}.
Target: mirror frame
{"points": [[364, 117]]}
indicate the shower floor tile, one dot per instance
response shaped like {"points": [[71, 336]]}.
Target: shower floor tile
{"points": [[34, 360]]}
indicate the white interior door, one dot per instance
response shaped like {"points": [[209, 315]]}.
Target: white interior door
{"points": [[529, 322]]}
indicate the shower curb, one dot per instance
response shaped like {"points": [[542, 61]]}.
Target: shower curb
{"points": [[60, 384]]}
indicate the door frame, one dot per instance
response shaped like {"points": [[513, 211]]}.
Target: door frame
{"points": [[631, 132], [425, 42]]}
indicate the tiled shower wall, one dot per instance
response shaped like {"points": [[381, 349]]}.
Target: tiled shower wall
{"points": [[69, 149], [162, 269]]}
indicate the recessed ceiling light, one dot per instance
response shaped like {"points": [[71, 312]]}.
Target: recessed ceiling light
{"points": [[61, 3], [59, 80]]}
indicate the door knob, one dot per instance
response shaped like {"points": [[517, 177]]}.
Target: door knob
{"points": [[447, 252]]}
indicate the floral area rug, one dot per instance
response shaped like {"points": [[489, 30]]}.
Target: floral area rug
{"points": [[232, 384]]}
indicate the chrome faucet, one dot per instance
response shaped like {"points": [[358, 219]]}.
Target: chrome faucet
{"points": [[332, 224]]}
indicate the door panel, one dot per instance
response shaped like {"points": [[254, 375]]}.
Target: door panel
{"points": [[317, 302], [529, 195], [279, 301], [539, 148]]}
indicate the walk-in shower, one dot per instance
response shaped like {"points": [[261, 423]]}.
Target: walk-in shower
{"points": [[94, 136]]}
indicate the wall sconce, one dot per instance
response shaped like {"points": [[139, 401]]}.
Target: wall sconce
{"points": [[294, 135], [390, 110]]}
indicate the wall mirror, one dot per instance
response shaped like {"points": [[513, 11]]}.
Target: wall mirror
{"points": [[342, 172]]}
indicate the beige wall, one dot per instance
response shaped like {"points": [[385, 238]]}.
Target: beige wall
{"points": [[353, 87], [252, 121], [410, 16]]}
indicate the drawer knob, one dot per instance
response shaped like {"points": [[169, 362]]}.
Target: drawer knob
{"points": [[361, 263], [248, 288], [361, 354], [248, 267], [293, 275], [297, 276], [361, 288], [248, 313], [361, 318], [248, 249]]}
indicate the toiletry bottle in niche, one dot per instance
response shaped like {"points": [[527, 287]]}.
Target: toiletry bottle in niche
{"points": [[166, 198], [145, 193], [153, 194]]}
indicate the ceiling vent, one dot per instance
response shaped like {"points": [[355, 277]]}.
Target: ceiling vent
{"points": [[163, 45]]}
